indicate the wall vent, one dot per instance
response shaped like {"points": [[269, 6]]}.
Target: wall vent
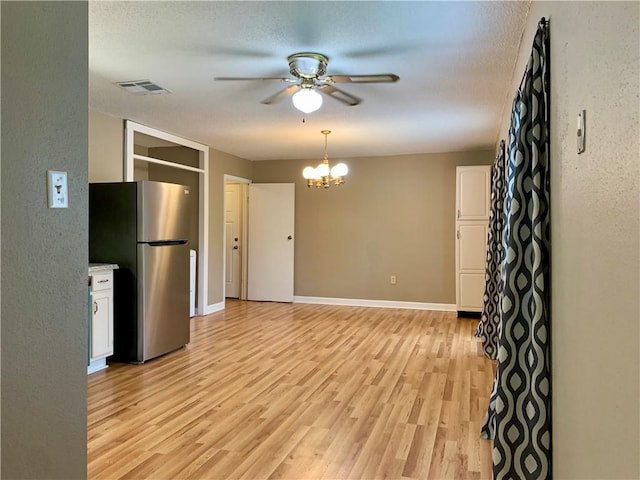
{"points": [[142, 87]]}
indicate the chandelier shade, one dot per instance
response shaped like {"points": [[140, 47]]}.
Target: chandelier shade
{"points": [[323, 175], [307, 100], [309, 173], [339, 170]]}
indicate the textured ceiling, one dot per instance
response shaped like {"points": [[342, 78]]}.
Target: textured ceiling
{"points": [[455, 61]]}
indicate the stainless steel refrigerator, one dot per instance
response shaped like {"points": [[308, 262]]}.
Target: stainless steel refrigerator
{"points": [[144, 227]]}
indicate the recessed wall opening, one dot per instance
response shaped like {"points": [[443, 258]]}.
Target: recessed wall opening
{"points": [[151, 154]]}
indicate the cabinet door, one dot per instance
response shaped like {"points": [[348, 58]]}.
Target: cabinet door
{"points": [[101, 325], [473, 195], [471, 292], [471, 251]]}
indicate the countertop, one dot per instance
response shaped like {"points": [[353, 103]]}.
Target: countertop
{"points": [[97, 267]]}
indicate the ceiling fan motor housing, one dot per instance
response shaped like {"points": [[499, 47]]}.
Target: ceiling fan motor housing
{"points": [[307, 64]]}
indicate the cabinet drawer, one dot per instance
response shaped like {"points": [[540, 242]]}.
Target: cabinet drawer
{"points": [[101, 281]]}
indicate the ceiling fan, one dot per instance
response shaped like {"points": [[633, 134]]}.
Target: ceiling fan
{"points": [[309, 69]]}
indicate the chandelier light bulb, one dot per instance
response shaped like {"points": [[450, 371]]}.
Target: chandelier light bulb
{"points": [[322, 170], [309, 173], [307, 100], [339, 170]]}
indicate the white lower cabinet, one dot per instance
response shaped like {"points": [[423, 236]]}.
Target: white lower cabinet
{"points": [[100, 319]]}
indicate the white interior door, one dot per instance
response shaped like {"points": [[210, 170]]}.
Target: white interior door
{"points": [[271, 227], [232, 232]]}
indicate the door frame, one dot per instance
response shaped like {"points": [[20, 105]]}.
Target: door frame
{"points": [[244, 242], [203, 200]]}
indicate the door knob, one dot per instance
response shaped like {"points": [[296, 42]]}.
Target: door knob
{"points": [[235, 247], [289, 237]]}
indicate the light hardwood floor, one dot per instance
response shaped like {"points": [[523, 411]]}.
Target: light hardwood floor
{"points": [[271, 390]]}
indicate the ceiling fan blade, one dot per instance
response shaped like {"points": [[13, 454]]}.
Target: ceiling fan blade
{"points": [[379, 78], [281, 94], [340, 95], [281, 79]]}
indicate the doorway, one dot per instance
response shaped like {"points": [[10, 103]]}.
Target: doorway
{"points": [[272, 260], [235, 237]]}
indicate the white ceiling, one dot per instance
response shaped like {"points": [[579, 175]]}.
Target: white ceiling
{"points": [[455, 61]]}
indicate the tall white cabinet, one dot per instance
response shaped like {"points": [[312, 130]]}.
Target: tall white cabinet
{"points": [[473, 195]]}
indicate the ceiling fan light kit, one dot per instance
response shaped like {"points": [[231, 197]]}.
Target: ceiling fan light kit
{"points": [[310, 82], [307, 100], [323, 175]]}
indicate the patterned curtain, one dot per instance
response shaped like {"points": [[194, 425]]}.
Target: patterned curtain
{"points": [[490, 318], [519, 415], [488, 429]]}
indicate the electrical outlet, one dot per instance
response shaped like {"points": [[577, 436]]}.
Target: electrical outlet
{"points": [[393, 280], [57, 193]]}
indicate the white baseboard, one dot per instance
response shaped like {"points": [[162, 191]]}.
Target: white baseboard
{"points": [[353, 302], [216, 307], [97, 365]]}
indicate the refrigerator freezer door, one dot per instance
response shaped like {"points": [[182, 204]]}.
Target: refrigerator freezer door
{"points": [[163, 290], [163, 211]]}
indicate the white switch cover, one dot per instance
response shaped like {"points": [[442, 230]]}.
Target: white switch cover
{"points": [[57, 192], [581, 116]]}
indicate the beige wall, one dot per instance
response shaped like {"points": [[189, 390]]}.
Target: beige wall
{"points": [[106, 148], [44, 251], [595, 235], [140, 168], [220, 164], [106, 160], [393, 216]]}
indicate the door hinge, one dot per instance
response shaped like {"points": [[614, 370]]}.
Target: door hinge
{"points": [[458, 234]]}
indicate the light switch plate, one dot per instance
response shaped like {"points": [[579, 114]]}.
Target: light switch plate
{"points": [[580, 131], [57, 192]]}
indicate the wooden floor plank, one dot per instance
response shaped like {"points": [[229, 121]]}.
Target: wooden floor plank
{"points": [[294, 391]]}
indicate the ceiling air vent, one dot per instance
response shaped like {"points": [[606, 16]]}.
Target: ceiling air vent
{"points": [[142, 87]]}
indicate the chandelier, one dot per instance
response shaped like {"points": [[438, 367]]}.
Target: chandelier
{"points": [[322, 175]]}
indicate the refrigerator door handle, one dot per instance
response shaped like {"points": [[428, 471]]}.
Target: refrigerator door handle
{"points": [[166, 243]]}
